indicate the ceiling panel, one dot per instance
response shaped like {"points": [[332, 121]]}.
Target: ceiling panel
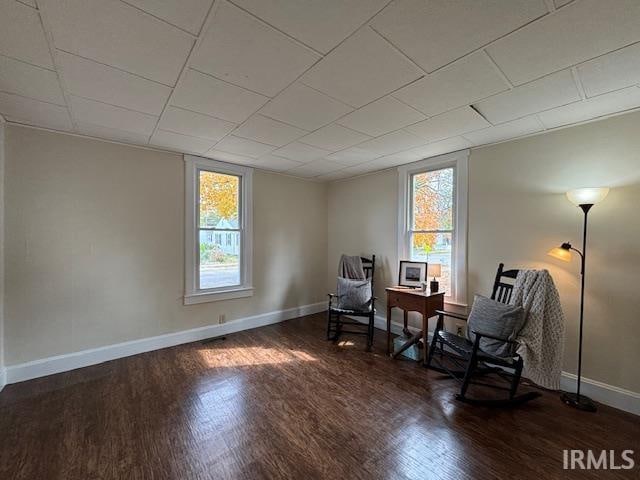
{"points": [[21, 34], [117, 34], [186, 14], [112, 133], [468, 80], [304, 107], [573, 34], [561, 3], [315, 168], [382, 116], [205, 94], [321, 25], [590, 108], [334, 137], [180, 143], [267, 130], [436, 33], [513, 129], [452, 144], [548, 92], [352, 72], [25, 110], [231, 157], [612, 71], [352, 156], [243, 146], [449, 124], [242, 50], [279, 164], [300, 152], [89, 111], [392, 142], [178, 120], [89, 79], [29, 81]]}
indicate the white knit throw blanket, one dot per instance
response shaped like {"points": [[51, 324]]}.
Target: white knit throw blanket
{"points": [[541, 340]]}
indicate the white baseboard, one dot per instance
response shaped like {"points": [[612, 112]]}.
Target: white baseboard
{"points": [[603, 393], [84, 358], [3, 378], [600, 392]]}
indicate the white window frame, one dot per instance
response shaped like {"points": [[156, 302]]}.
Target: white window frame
{"points": [[192, 294], [460, 163]]}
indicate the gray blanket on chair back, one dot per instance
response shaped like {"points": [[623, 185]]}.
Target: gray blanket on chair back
{"points": [[350, 266]]}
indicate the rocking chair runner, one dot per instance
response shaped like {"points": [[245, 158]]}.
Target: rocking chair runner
{"points": [[335, 314], [465, 352]]}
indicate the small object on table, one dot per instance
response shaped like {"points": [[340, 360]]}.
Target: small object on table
{"points": [[434, 270], [425, 303], [412, 274]]}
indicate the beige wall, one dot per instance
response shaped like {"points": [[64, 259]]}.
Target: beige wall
{"points": [[94, 245], [2, 162], [517, 211]]}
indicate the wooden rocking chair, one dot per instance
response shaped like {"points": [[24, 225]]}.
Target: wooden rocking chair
{"points": [[335, 321], [476, 362]]}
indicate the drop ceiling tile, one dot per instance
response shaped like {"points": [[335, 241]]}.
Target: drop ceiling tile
{"points": [[112, 134], [571, 35], [117, 34], [452, 144], [392, 142], [505, 131], [180, 143], [334, 137], [365, 67], [21, 34], [352, 156], [382, 116], [315, 168], [591, 108], [278, 164], [204, 94], [321, 25], [449, 124], [242, 50], [612, 71], [304, 107], [561, 3], [29, 81], [300, 152], [243, 146], [267, 130], [436, 33], [25, 110], [31, 3], [464, 82], [335, 175], [96, 113], [85, 78], [232, 158], [186, 14], [194, 124], [548, 92]]}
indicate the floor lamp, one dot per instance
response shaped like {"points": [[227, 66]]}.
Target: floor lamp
{"points": [[585, 198]]}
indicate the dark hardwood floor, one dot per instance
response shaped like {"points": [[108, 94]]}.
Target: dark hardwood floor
{"points": [[281, 402]]}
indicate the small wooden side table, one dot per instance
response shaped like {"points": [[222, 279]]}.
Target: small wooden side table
{"points": [[412, 300]]}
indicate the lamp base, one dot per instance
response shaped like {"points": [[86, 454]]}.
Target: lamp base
{"points": [[434, 286], [581, 403]]}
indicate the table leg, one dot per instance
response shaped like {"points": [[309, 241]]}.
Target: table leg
{"points": [[388, 329], [405, 318], [425, 338]]}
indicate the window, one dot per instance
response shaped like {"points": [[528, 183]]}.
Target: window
{"points": [[218, 230], [432, 218]]}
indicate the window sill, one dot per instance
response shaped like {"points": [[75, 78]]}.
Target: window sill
{"points": [[239, 292]]}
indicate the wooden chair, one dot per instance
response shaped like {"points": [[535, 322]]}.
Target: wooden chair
{"points": [[335, 314], [463, 352]]}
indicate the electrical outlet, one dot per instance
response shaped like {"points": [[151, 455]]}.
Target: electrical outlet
{"points": [[221, 318], [459, 331]]}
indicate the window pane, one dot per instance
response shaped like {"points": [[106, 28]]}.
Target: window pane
{"points": [[219, 200], [434, 248], [433, 200], [219, 259]]}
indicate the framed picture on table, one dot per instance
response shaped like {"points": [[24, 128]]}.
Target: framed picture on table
{"points": [[412, 274]]}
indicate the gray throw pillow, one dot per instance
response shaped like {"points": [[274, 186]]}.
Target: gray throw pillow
{"points": [[354, 294], [497, 319]]}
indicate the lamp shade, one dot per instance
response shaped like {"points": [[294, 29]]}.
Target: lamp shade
{"points": [[560, 253], [434, 270], [587, 196]]}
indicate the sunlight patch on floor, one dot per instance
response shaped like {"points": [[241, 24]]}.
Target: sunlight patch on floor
{"points": [[251, 356]]}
